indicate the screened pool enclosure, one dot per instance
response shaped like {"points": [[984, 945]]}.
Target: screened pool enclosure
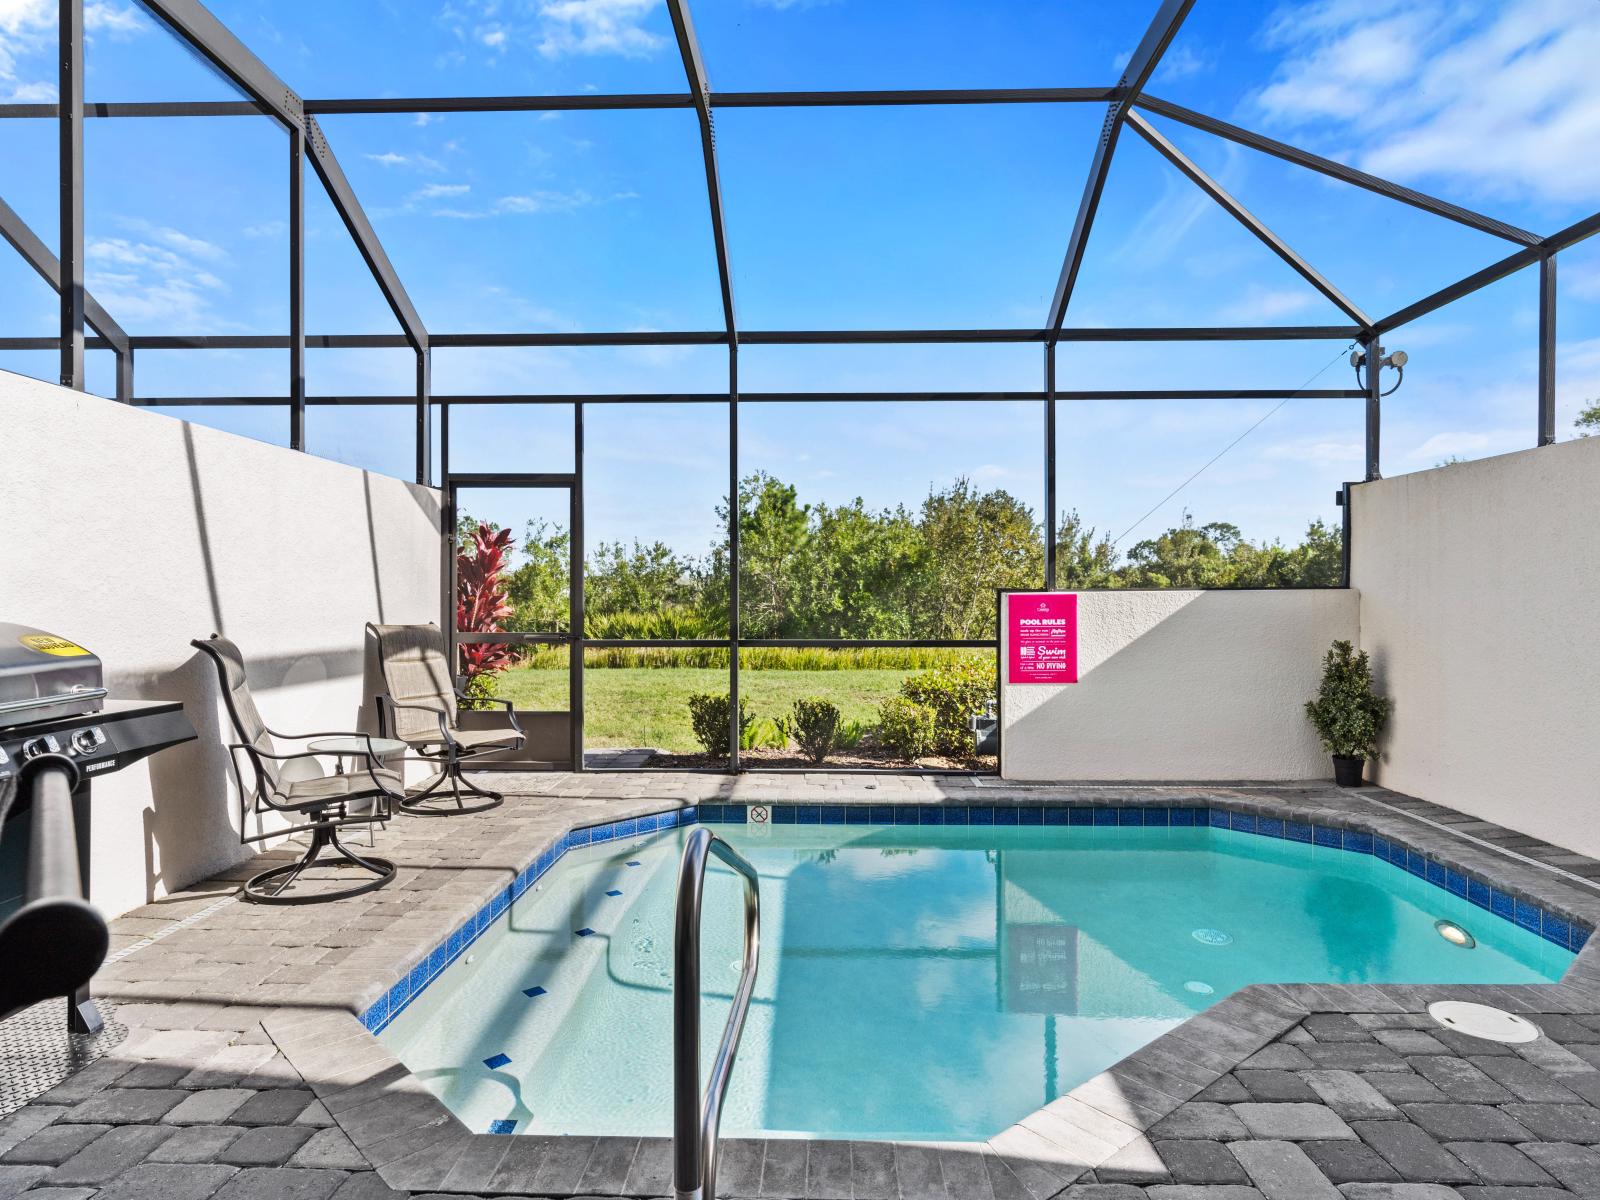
{"points": [[458, 442]]}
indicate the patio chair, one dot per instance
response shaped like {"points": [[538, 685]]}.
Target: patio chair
{"points": [[422, 709], [294, 784]]}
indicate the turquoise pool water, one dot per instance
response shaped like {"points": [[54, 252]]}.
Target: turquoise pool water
{"points": [[918, 982]]}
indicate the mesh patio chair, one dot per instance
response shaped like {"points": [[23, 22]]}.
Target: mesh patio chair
{"points": [[294, 784], [422, 709]]}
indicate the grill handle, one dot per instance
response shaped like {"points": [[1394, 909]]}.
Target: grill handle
{"points": [[55, 942]]}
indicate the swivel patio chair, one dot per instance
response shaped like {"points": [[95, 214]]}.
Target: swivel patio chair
{"points": [[295, 785], [422, 709]]}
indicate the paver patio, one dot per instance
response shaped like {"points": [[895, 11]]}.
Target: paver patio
{"points": [[243, 1072]]}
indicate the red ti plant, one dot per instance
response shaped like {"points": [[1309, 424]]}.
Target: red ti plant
{"points": [[481, 604]]}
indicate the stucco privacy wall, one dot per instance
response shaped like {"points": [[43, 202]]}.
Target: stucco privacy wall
{"points": [[1180, 685], [1479, 606], [133, 532]]}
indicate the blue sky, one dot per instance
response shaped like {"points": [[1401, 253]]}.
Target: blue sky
{"points": [[840, 218]]}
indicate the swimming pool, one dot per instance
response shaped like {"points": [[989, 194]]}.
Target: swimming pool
{"points": [[928, 982]]}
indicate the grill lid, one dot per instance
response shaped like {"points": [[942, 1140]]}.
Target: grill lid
{"points": [[43, 676]]}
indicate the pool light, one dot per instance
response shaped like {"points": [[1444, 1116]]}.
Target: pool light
{"points": [[1455, 935]]}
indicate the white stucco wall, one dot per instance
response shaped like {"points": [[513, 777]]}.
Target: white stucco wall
{"points": [[1479, 586], [133, 533], [1181, 685]]}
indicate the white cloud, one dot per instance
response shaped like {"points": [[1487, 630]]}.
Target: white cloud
{"points": [[124, 21], [434, 191], [1503, 100], [1263, 306], [588, 27], [158, 283], [392, 158], [1465, 444], [28, 34]]}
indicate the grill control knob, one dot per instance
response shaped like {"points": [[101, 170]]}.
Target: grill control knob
{"points": [[47, 744], [88, 740]]}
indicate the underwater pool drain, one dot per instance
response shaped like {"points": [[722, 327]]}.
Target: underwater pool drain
{"points": [[1212, 937], [1481, 1021]]}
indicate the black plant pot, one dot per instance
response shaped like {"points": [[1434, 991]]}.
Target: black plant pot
{"points": [[1347, 769]]}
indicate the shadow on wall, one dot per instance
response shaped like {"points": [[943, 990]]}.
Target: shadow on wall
{"points": [[1205, 685]]}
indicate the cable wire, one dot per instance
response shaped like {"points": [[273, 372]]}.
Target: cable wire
{"points": [[1212, 461]]}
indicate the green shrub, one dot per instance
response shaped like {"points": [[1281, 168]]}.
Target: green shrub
{"points": [[708, 714], [753, 658], [954, 692], [816, 726], [479, 690], [764, 733], [1347, 713], [906, 727], [851, 734]]}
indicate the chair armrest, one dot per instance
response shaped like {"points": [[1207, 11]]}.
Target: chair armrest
{"points": [[511, 712], [445, 735], [257, 754]]}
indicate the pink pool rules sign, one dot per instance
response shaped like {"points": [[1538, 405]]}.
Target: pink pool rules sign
{"points": [[1043, 635]]}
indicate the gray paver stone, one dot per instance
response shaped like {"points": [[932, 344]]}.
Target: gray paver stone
{"points": [[1349, 1095], [330, 1148], [1282, 1171], [1334, 1027], [1460, 1080], [281, 1183], [367, 1185], [1201, 1162], [1200, 1119], [1354, 1056], [1468, 1123], [1411, 1152], [1498, 1192], [54, 1144], [14, 1180], [196, 1144], [1203, 1191], [25, 1122], [59, 1193], [1137, 1162], [1575, 1167], [169, 1181], [210, 1107], [1275, 1086], [1404, 1087], [265, 1145], [1349, 1162], [1525, 1081], [1496, 1162], [1399, 1191], [1410, 1041], [1277, 1057], [110, 1154], [1292, 1122], [1558, 1122], [125, 1106], [1102, 1191], [279, 1106], [152, 1075]]}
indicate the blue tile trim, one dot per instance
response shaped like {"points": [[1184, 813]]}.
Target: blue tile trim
{"points": [[495, 1061], [1548, 925], [502, 1126]]}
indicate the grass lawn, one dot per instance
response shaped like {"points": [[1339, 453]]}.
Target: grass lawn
{"points": [[629, 707]]}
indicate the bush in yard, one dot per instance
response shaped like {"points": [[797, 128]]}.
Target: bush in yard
{"points": [[482, 605], [816, 726], [851, 734], [953, 693], [708, 715], [763, 733], [906, 727]]}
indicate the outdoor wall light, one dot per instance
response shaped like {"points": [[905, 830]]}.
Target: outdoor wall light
{"points": [[1455, 935]]}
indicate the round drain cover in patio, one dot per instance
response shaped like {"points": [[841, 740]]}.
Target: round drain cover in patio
{"points": [[1481, 1021]]}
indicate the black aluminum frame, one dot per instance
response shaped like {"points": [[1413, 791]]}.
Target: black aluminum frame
{"points": [[268, 95]]}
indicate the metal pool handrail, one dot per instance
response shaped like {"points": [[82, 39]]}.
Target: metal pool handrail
{"points": [[696, 1117]]}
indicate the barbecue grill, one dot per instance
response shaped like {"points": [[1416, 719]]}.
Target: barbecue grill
{"points": [[58, 730]]}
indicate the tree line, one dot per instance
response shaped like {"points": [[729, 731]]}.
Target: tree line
{"points": [[815, 570]]}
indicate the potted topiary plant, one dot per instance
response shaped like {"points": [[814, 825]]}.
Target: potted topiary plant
{"points": [[1347, 713]]}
